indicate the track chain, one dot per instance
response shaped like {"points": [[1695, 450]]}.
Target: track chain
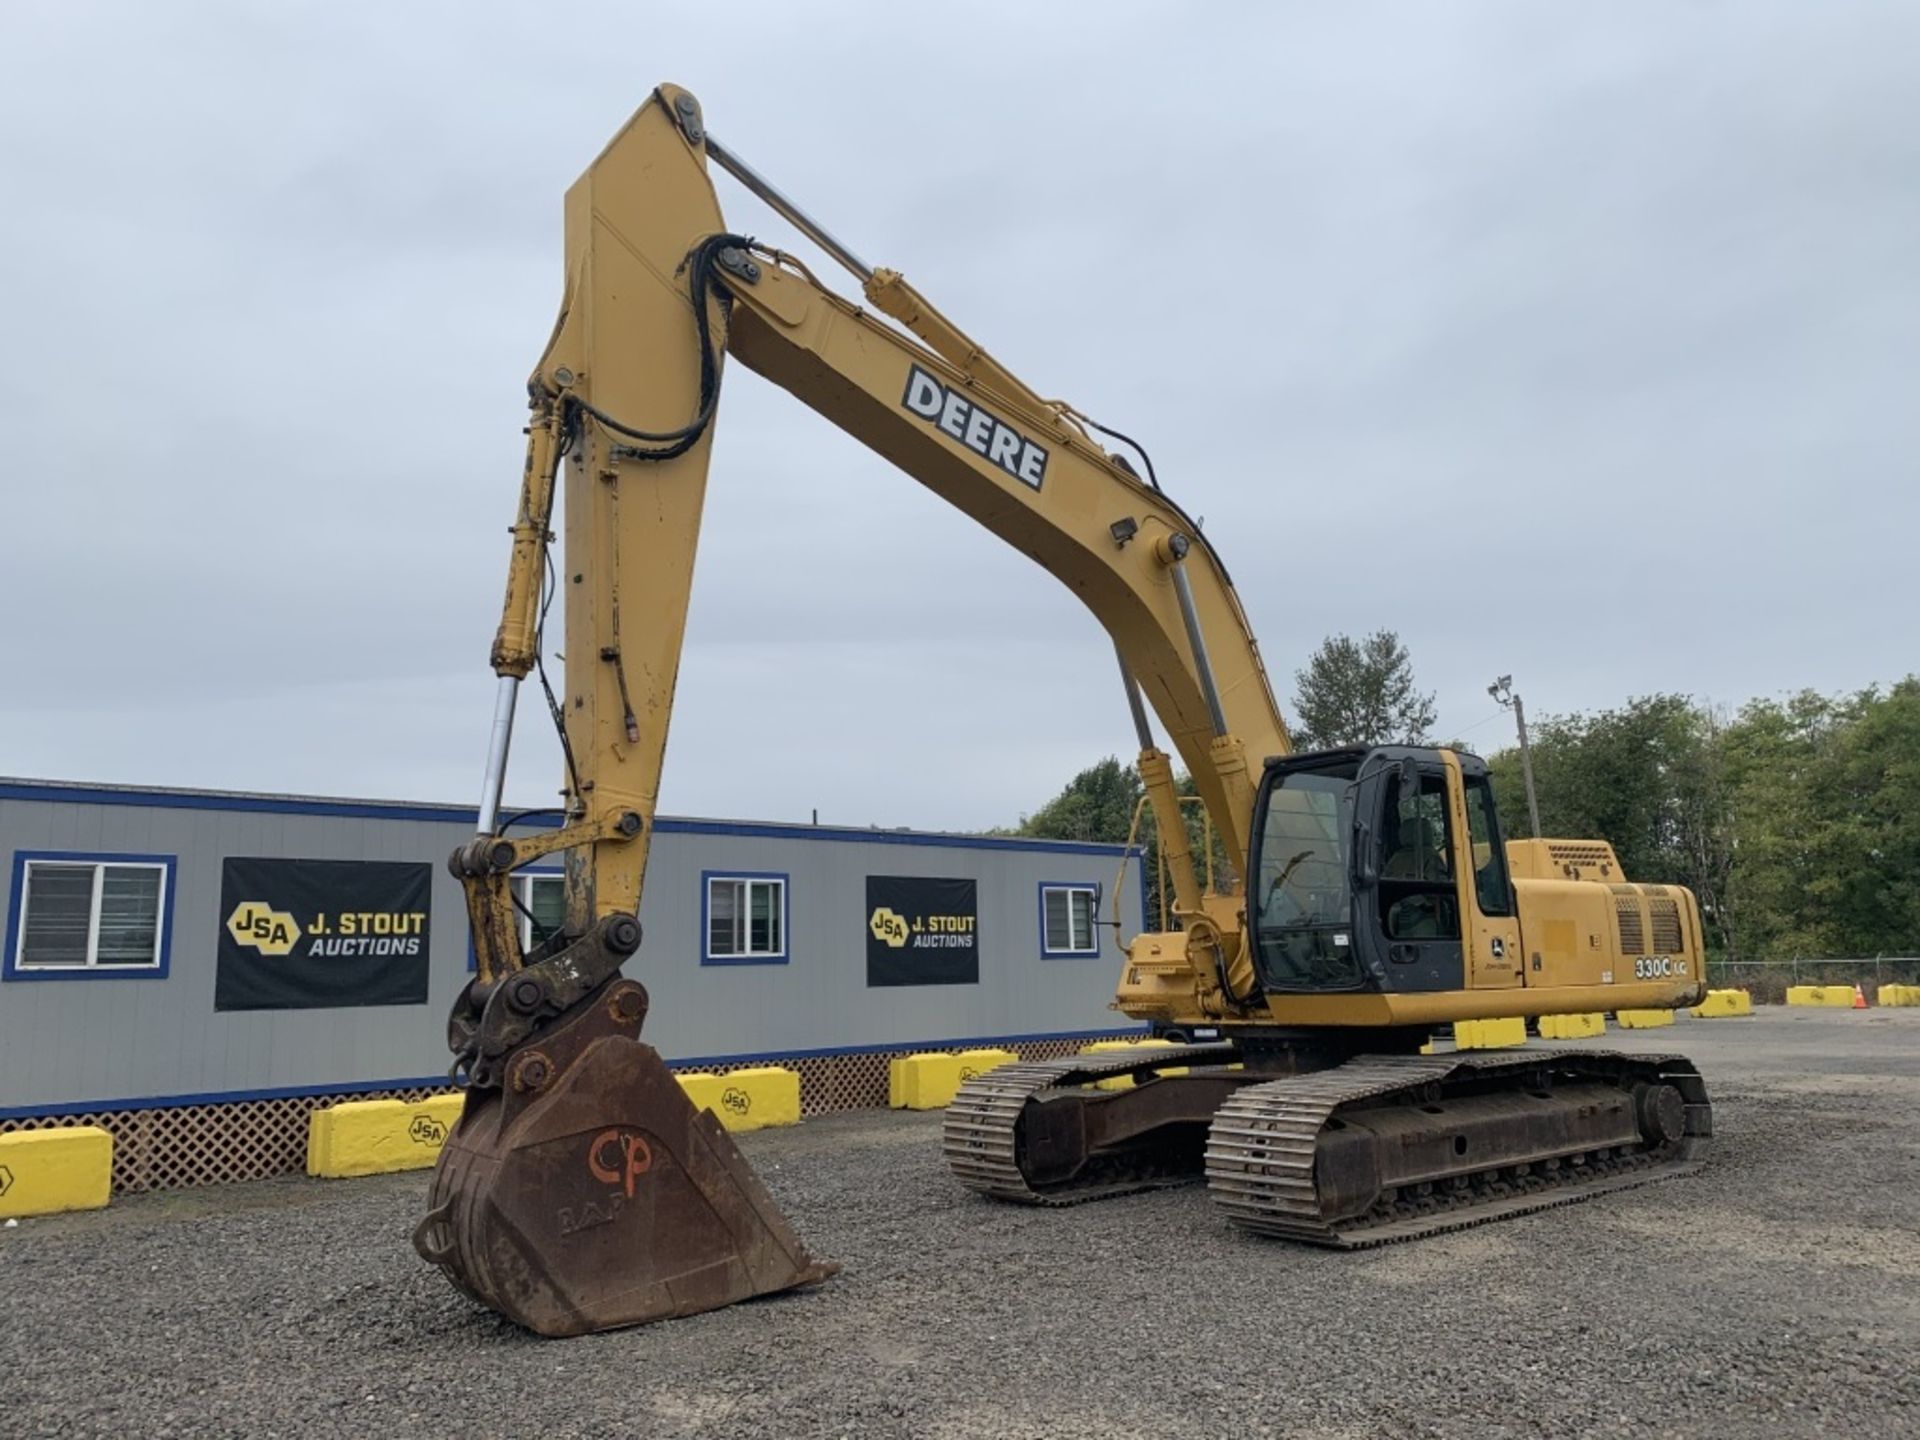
{"points": [[1261, 1146], [980, 1136]]}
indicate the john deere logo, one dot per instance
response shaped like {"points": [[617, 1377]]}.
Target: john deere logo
{"points": [[270, 931], [425, 1130], [6, 1179], [736, 1100], [981, 431], [889, 926], [967, 1072]]}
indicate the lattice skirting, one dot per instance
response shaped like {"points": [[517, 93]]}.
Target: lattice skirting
{"points": [[178, 1146]]}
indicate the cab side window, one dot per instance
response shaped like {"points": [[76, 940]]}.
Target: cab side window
{"points": [[1418, 900], [1416, 838], [1489, 855]]}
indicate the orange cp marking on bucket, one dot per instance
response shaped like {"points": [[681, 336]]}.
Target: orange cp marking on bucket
{"points": [[619, 1157]]}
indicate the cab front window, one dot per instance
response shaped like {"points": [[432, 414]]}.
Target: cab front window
{"points": [[1303, 853], [1303, 906]]}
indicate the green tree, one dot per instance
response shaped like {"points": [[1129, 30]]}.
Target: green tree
{"points": [[1360, 692], [1611, 776], [1826, 796], [1650, 779], [1796, 823], [1096, 806]]}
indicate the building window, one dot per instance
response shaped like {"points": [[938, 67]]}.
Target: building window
{"points": [[1066, 921], [89, 916], [542, 908], [744, 918]]}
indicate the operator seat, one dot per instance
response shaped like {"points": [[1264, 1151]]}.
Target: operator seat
{"points": [[1413, 854]]}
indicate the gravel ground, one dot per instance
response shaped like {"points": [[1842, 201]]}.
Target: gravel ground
{"points": [[1776, 1293]]}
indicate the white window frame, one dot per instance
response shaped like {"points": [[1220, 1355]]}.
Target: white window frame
{"points": [[523, 884], [18, 963], [775, 880], [1072, 951]]}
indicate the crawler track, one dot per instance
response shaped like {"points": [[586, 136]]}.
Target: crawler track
{"points": [[1263, 1145], [980, 1136], [1267, 1158]]}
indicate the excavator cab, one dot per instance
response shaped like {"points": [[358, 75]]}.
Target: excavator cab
{"points": [[1358, 856]]}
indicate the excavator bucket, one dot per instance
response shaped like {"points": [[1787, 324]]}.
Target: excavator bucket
{"points": [[587, 1193]]}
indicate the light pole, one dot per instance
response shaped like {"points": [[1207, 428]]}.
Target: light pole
{"points": [[1502, 690]]}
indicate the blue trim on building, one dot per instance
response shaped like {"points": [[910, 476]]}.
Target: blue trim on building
{"points": [[1093, 917], [450, 814], [16, 899], [707, 877], [217, 1097], [362, 1087], [239, 804]]}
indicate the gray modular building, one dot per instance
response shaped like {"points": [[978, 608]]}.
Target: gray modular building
{"points": [[183, 948]]}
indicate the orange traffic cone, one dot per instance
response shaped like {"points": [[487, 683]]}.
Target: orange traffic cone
{"points": [[1859, 997]]}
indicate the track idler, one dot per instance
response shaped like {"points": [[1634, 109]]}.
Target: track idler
{"points": [[585, 1192]]}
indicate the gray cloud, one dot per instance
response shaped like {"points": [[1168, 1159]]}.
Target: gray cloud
{"points": [[1572, 343]]}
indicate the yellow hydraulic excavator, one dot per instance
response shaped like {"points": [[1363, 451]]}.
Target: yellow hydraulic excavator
{"points": [[1367, 895]]}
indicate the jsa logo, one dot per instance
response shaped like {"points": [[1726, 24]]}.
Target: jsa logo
{"points": [[980, 431], [270, 931], [889, 925]]}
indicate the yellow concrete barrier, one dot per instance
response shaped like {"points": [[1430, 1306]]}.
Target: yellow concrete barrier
{"points": [[43, 1172], [750, 1099], [371, 1137], [1489, 1034], [1838, 996], [907, 1077], [1642, 1019], [1723, 1002], [930, 1079], [979, 1062], [1107, 1047], [1573, 1027], [1898, 995]]}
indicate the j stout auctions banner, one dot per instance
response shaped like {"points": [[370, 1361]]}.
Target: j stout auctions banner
{"points": [[922, 931], [307, 934]]}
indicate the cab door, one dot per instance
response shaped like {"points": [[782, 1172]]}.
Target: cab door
{"points": [[1415, 897], [1490, 924]]}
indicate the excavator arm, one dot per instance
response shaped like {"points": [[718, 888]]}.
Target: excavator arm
{"points": [[657, 294], [562, 1098]]}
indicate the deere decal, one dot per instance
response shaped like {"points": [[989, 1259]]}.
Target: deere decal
{"points": [[980, 430], [310, 934], [922, 931]]}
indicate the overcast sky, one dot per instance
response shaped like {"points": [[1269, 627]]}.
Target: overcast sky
{"points": [[1576, 342]]}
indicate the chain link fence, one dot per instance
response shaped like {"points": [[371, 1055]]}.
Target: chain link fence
{"points": [[1767, 980]]}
